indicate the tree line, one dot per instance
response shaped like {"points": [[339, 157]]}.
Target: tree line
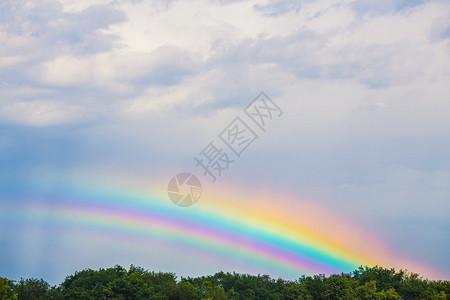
{"points": [[138, 283]]}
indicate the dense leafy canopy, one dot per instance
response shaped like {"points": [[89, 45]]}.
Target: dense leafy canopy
{"points": [[137, 283]]}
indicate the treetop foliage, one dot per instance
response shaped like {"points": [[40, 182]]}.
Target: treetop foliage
{"points": [[138, 283]]}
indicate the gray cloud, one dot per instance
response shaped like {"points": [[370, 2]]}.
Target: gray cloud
{"points": [[280, 7], [440, 29], [377, 7], [45, 25]]}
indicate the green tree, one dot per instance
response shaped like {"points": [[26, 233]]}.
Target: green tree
{"points": [[412, 286], [295, 290], [128, 287], [186, 291], [338, 287], [369, 291], [6, 289], [136, 283], [232, 294], [213, 292], [55, 293], [431, 294], [385, 278], [366, 291], [31, 288], [315, 285], [390, 294]]}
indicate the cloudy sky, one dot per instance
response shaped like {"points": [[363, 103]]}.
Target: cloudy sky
{"points": [[131, 91]]}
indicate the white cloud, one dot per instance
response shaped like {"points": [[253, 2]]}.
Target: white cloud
{"points": [[164, 45], [40, 113], [74, 6]]}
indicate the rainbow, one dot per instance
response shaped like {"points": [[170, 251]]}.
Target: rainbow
{"points": [[219, 227]]}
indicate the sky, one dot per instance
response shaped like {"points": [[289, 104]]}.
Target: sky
{"points": [[102, 102]]}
